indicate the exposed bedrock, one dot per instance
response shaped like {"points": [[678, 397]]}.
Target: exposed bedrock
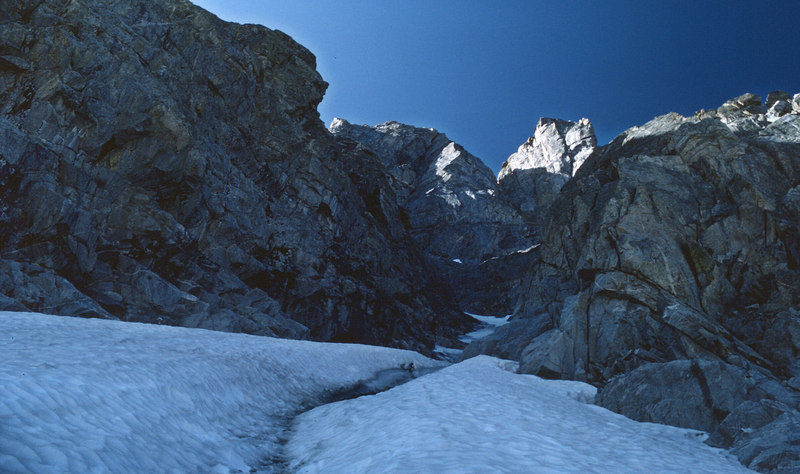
{"points": [[158, 164], [455, 212], [673, 251]]}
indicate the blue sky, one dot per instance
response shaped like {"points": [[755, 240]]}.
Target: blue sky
{"points": [[483, 72]]}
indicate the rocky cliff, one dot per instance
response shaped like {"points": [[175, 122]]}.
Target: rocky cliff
{"points": [[451, 198], [158, 164], [455, 212], [668, 275]]}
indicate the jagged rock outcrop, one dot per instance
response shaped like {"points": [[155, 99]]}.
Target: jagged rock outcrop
{"points": [[454, 212], [159, 164], [450, 196], [669, 263], [684, 225], [532, 177], [558, 146]]}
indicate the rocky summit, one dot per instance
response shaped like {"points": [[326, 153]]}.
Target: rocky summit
{"points": [[532, 177], [160, 165]]}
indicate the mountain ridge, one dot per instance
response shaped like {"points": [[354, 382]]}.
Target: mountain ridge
{"points": [[160, 165]]}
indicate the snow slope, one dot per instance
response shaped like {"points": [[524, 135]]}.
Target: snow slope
{"points": [[478, 416], [80, 395], [489, 325]]}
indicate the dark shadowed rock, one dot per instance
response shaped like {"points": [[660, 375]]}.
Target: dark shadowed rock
{"points": [[450, 196], [451, 205], [775, 97], [774, 447], [746, 418], [510, 340], [695, 393], [161, 165], [743, 409], [25, 286]]}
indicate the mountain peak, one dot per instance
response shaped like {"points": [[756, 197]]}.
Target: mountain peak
{"points": [[558, 146]]}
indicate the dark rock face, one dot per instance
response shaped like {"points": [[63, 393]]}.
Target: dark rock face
{"points": [[668, 275], [697, 393], [676, 240], [158, 164], [470, 234], [773, 447], [451, 198], [748, 411]]}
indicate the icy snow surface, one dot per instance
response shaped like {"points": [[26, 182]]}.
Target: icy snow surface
{"points": [[80, 395], [488, 326], [478, 416], [490, 323]]}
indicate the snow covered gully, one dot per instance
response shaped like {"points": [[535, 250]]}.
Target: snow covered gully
{"points": [[80, 395]]}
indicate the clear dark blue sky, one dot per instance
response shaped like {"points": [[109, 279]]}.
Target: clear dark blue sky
{"points": [[483, 72]]}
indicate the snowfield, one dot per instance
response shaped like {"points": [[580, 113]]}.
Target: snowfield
{"points": [[80, 395], [489, 325], [479, 416]]}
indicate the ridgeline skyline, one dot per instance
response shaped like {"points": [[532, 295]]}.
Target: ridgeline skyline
{"points": [[484, 73]]}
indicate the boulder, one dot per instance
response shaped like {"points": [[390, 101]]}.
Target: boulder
{"points": [[775, 97], [27, 286], [511, 340], [551, 355], [772, 447], [746, 418], [697, 393], [779, 109]]}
